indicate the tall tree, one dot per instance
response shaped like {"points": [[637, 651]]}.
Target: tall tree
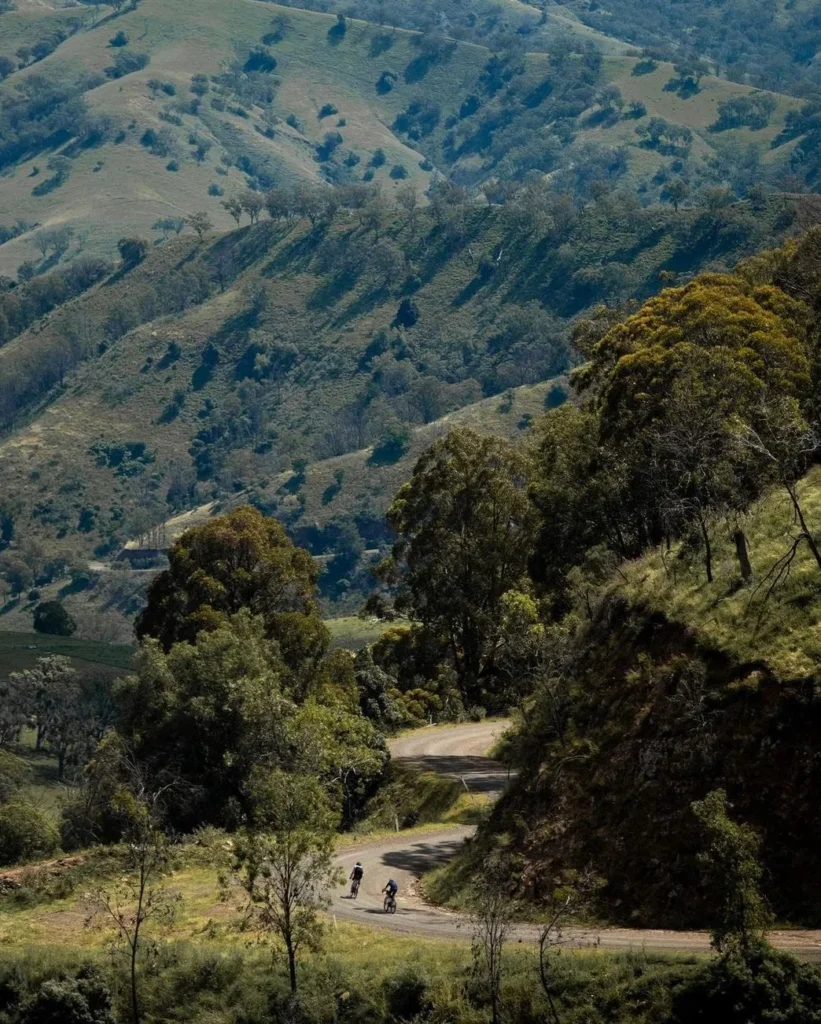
{"points": [[240, 560], [464, 529], [206, 713]]}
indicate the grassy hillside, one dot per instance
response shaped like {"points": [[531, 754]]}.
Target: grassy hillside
{"points": [[675, 687], [219, 369], [19, 651], [263, 128]]}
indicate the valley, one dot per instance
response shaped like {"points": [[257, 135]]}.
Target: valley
{"points": [[410, 454]]}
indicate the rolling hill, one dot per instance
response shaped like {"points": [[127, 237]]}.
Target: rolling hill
{"points": [[234, 365], [278, 82]]}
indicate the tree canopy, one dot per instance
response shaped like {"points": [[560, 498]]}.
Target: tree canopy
{"points": [[464, 529], [240, 560]]}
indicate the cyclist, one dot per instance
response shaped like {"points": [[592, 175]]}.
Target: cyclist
{"points": [[391, 889], [356, 877]]}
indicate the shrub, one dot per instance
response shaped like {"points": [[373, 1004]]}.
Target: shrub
{"points": [[52, 618], [378, 158], [215, 190], [768, 986], [85, 999], [172, 165], [120, 39], [126, 63], [386, 81], [645, 67], [25, 833], [326, 110], [398, 172], [132, 251], [407, 995]]}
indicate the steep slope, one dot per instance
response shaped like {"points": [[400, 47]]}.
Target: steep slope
{"points": [[210, 368], [277, 83], [675, 687]]}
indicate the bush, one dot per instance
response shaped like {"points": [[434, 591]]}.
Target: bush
{"points": [[326, 110], [132, 251], [25, 833], [85, 999], [768, 986], [126, 63], [407, 995], [120, 39], [399, 172], [52, 618]]}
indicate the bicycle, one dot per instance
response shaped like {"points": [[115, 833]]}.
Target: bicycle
{"points": [[390, 904], [355, 888]]}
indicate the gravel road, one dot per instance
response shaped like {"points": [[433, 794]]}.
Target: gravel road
{"points": [[461, 752]]}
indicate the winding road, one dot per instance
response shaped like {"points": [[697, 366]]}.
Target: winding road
{"points": [[461, 752]]}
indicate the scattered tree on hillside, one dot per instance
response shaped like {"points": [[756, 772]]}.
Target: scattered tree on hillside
{"points": [[201, 223], [132, 251], [234, 207], [252, 203], [51, 617], [677, 191]]}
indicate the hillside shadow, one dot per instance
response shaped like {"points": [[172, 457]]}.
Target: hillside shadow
{"points": [[422, 857], [482, 774], [297, 254]]}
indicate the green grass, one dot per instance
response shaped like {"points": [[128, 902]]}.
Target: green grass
{"points": [[132, 188], [20, 651], [354, 633], [409, 798], [783, 631]]}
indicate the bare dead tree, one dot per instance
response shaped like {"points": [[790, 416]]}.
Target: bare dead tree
{"points": [[140, 895], [492, 918], [571, 899]]}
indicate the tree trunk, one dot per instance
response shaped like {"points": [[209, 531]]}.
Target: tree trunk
{"points": [[135, 1006], [742, 554], [291, 962], [807, 534], [708, 550]]}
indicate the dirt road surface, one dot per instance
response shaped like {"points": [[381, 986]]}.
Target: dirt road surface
{"points": [[461, 752]]}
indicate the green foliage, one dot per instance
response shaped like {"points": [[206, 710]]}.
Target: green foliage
{"points": [[26, 833], [738, 913], [766, 985], [132, 251], [83, 999], [14, 774], [241, 560], [284, 872], [127, 62], [212, 710], [464, 527], [51, 617]]}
